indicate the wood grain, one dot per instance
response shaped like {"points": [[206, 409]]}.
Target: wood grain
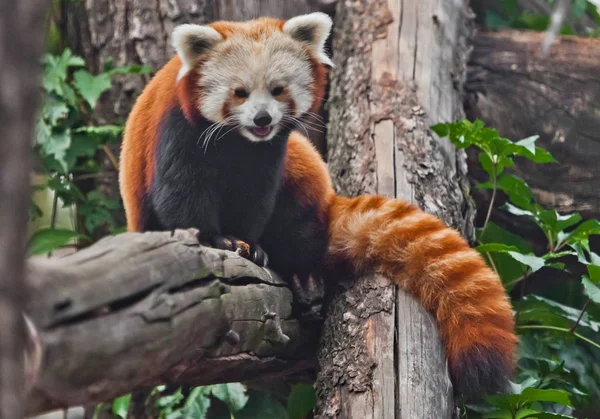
{"points": [[137, 310], [400, 69]]}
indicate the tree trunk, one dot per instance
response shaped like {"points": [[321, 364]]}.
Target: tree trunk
{"points": [[514, 89], [21, 27], [399, 69], [139, 32], [137, 310]]}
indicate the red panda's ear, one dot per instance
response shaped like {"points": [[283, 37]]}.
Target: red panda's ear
{"points": [[190, 42], [313, 30]]}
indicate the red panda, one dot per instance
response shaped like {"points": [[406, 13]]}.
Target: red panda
{"points": [[210, 144]]}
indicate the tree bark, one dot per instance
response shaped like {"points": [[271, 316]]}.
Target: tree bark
{"points": [[137, 310], [21, 26], [514, 89], [400, 68]]}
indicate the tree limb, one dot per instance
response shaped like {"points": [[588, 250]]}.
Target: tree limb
{"points": [[137, 310]]}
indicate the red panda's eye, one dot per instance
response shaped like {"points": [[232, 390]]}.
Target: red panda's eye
{"points": [[241, 93], [277, 91]]}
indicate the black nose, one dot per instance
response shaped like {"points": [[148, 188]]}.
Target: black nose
{"points": [[262, 119]]}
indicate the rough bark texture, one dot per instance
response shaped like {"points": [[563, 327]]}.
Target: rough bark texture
{"points": [[137, 310], [400, 68], [21, 25], [512, 88], [139, 32]]}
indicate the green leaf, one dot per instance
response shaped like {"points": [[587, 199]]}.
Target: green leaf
{"points": [[534, 262], [510, 6], [517, 190], [508, 268], [91, 87], [264, 406], [494, 20], [81, 146], [496, 247], [102, 130], [591, 289], [594, 273], [537, 309], [547, 415], [547, 395], [486, 163], [121, 405], [579, 8], [517, 211], [47, 239], [300, 401], [56, 146], [55, 70], [131, 69], [232, 394], [583, 231], [55, 110], [528, 143]]}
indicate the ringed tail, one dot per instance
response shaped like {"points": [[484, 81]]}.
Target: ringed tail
{"points": [[435, 264]]}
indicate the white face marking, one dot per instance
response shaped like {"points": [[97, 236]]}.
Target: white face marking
{"points": [[257, 67]]}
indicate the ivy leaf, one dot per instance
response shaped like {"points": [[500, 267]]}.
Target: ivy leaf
{"points": [[55, 110], [232, 394], [534, 262], [591, 289], [121, 405], [47, 239], [91, 87], [55, 145]]}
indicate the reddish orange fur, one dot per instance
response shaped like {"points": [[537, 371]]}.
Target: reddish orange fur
{"points": [[392, 237], [432, 262]]}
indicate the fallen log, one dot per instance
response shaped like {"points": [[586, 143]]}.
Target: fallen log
{"points": [[513, 88], [137, 310]]}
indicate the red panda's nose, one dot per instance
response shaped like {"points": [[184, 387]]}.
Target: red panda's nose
{"points": [[262, 119]]}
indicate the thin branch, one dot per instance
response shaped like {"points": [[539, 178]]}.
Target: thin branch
{"points": [[560, 329], [585, 306], [491, 206], [111, 157]]}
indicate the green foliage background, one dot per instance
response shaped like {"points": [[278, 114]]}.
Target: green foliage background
{"points": [[559, 353]]}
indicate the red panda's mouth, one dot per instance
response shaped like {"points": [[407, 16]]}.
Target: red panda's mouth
{"points": [[261, 131]]}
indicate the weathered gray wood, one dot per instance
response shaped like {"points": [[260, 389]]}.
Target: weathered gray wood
{"points": [[20, 50], [400, 67], [137, 310], [514, 89]]}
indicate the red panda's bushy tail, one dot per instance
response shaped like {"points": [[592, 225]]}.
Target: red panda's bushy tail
{"points": [[435, 264]]}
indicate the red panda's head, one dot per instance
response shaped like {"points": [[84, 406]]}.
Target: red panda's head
{"points": [[257, 76]]}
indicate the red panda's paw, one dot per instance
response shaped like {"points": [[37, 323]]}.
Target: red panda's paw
{"points": [[253, 253], [481, 371]]}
